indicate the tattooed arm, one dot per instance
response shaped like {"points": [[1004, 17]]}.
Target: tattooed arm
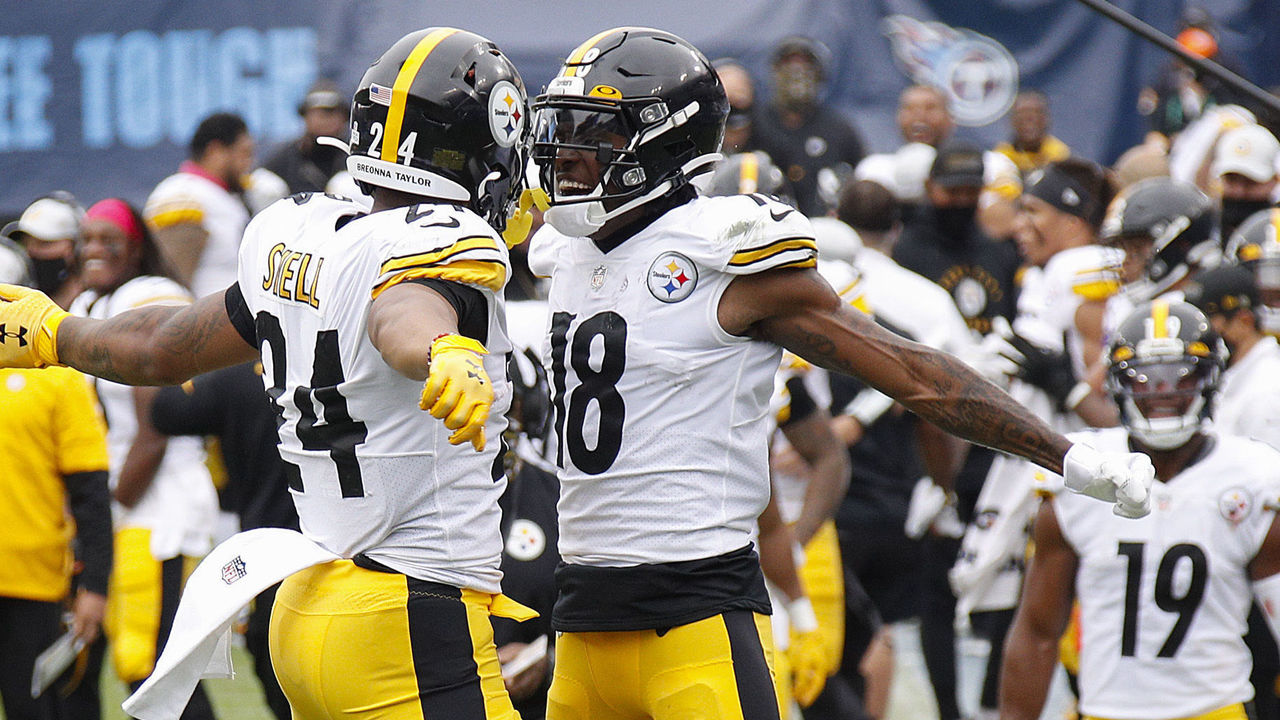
{"points": [[155, 345], [799, 311]]}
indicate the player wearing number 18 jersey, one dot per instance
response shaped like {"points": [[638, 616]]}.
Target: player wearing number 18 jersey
{"points": [[667, 314], [1163, 599]]}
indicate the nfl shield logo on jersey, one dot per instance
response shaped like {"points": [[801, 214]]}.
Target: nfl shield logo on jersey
{"points": [[1235, 505], [672, 277]]}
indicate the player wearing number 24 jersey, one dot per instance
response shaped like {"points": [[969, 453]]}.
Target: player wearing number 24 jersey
{"points": [[351, 312], [1164, 600], [668, 312]]}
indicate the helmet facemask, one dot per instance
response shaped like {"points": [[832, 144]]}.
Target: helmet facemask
{"points": [[627, 140], [1165, 398]]}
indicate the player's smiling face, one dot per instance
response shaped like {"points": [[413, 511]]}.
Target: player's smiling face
{"points": [[108, 259], [578, 172]]}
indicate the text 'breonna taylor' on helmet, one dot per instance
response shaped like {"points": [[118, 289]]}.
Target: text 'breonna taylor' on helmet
{"points": [[442, 114], [1165, 365], [646, 105]]}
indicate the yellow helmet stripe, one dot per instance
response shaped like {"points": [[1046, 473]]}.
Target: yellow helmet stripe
{"points": [[1275, 225], [576, 56], [400, 91], [749, 179], [1160, 319]]}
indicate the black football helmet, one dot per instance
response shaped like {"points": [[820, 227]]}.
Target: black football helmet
{"points": [[749, 172], [1256, 245], [1176, 217], [442, 114], [648, 86], [1165, 365]]}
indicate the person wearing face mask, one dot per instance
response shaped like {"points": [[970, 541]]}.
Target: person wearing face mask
{"points": [[47, 230], [803, 136], [946, 245], [1244, 164]]}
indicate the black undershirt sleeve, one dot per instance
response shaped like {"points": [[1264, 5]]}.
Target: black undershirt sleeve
{"points": [[468, 302], [241, 316], [91, 507], [802, 403]]}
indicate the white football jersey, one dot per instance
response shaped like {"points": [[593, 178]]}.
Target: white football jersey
{"points": [[180, 506], [661, 414], [1249, 397], [1164, 598], [191, 197], [376, 475], [1050, 296]]}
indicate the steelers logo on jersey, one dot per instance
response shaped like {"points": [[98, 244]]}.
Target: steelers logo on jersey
{"points": [[506, 113], [672, 277], [1235, 504], [526, 541]]}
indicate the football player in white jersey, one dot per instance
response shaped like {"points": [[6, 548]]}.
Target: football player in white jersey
{"points": [[351, 312], [163, 501], [667, 313], [1163, 599]]}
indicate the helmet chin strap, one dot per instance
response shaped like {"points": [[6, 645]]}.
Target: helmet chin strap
{"points": [[583, 219]]}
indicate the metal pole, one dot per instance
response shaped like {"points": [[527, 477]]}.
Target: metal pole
{"points": [[1265, 99]]}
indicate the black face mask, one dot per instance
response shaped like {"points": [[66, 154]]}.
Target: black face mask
{"points": [[955, 223], [1235, 212], [49, 274]]}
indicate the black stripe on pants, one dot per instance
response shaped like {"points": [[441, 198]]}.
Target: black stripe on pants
{"points": [[750, 671]]}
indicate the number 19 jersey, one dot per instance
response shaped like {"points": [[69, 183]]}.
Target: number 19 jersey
{"points": [[371, 473], [660, 413], [1164, 598]]}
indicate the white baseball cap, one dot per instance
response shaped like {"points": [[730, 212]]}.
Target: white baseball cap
{"points": [[1249, 150], [46, 219]]}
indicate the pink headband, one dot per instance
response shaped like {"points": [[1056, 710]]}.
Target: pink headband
{"points": [[115, 211]]}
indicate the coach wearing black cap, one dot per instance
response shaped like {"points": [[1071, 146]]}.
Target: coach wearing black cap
{"points": [[946, 245], [304, 164]]}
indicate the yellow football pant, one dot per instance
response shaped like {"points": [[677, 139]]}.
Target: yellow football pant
{"points": [[720, 668], [350, 643], [1230, 712], [823, 578], [142, 596]]}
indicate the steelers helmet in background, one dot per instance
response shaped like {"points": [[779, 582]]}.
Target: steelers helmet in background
{"points": [[750, 172], [1165, 365], [442, 114], [1175, 216], [1256, 246], [649, 87]]}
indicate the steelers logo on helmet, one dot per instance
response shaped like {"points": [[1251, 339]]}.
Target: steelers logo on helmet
{"points": [[506, 113], [672, 277], [416, 122]]}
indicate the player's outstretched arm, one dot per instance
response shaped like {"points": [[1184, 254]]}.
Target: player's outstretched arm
{"points": [[153, 345], [1031, 648], [416, 330], [798, 310], [1264, 571]]}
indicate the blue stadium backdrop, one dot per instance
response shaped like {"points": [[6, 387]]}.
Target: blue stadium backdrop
{"points": [[100, 96]]}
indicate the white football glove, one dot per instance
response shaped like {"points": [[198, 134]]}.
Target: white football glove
{"points": [[1121, 478]]}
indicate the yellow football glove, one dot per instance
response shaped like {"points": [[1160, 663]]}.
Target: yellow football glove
{"points": [[521, 220], [458, 390], [807, 653], [29, 323]]}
